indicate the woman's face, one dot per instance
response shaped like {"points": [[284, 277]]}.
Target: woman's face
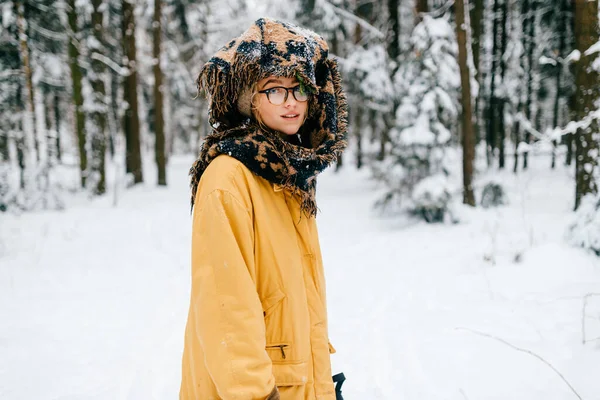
{"points": [[286, 117]]}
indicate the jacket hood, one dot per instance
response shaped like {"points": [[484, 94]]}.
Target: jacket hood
{"points": [[271, 47]]}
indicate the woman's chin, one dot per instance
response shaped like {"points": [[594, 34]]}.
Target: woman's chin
{"points": [[289, 130]]}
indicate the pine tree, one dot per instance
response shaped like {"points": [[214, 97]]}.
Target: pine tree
{"points": [[427, 84]]}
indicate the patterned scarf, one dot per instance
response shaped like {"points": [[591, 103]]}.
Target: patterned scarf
{"points": [[274, 48]]}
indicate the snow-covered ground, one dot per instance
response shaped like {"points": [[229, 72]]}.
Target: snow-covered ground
{"points": [[93, 300]]}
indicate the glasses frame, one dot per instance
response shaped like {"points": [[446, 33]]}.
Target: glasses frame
{"points": [[287, 91]]}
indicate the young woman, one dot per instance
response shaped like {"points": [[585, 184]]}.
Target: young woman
{"points": [[257, 324]]}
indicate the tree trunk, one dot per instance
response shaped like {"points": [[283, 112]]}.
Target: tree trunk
{"points": [[562, 32], [393, 46], [492, 107], [57, 125], [422, 6], [357, 128], [4, 154], [530, 7], [517, 135], [76, 77], [50, 133], [99, 114], [29, 124], [569, 136], [394, 53], [468, 135], [501, 131], [476, 19], [159, 144], [587, 93], [131, 121]]}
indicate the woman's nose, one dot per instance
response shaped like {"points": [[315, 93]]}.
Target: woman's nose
{"points": [[291, 100]]}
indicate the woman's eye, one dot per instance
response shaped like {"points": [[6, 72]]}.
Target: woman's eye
{"points": [[272, 91]]}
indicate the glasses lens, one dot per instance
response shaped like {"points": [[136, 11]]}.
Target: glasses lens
{"points": [[276, 96], [300, 94]]}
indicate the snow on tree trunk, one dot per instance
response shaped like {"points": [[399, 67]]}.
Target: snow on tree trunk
{"points": [[76, 77], [587, 94], [98, 107]]}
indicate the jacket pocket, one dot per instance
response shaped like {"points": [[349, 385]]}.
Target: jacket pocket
{"points": [[290, 374], [278, 352], [271, 302]]}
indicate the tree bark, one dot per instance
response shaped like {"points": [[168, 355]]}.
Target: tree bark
{"points": [[131, 121], [159, 144], [476, 19], [393, 47], [99, 114], [57, 125], [76, 77], [29, 124], [562, 32], [357, 128], [468, 135], [530, 7], [492, 106], [587, 93], [4, 154], [501, 128], [422, 6]]}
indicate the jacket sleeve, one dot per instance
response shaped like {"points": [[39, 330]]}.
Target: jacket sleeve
{"points": [[227, 308]]}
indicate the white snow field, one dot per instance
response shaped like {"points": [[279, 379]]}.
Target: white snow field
{"points": [[94, 299]]}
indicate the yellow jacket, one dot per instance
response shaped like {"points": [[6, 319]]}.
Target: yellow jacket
{"points": [[258, 316]]}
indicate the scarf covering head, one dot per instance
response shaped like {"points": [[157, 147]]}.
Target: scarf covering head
{"points": [[267, 48]]}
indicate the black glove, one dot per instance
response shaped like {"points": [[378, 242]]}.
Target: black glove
{"points": [[339, 381]]}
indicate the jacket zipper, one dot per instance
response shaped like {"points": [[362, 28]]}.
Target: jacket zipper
{"points": [[281, 347]]}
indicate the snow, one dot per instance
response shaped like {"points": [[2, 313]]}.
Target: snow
{"points": [[595, 48], [94, 299]]}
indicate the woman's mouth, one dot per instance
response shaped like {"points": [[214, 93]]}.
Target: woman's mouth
{"points": [[290, 116]]}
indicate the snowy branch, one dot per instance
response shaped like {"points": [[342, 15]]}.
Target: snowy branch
{"points": [[556, 133], [354, 18], [438, 12], [48, 33], [595, 48], [110, 63], [10, 72], [524, 351]]}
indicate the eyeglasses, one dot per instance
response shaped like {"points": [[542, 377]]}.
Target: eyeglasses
{"points": [[279, 94]]}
